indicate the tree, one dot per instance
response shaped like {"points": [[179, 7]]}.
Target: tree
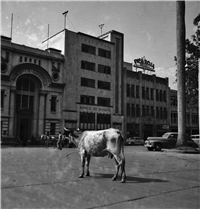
{"points": [[180, 39], [192, 55]]}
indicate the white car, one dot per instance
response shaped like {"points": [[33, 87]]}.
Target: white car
{"points": [[134, 141], [196, 139]]}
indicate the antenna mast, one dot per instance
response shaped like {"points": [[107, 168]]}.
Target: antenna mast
{"points": [[65, 14], [11, 26], [101, 26]]}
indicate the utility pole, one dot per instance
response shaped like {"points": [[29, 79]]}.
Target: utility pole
{"points": [[65, 14], [101, 26], [180, 39]]}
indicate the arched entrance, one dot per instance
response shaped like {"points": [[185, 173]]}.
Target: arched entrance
{"points": [[27, 103]]}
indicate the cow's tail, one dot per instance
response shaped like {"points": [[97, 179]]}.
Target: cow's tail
{"points": [[122, 147]]}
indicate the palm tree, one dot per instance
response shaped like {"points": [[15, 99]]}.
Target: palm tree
{"points": [[180, 35]]}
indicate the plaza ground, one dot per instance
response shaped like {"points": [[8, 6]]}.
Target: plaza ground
{"points": [[36, 177]]}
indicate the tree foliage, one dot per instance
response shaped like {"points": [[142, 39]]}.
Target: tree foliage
{"points": [[192, 48]]}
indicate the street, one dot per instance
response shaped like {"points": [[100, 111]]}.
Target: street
{"points": [[36, 177]]}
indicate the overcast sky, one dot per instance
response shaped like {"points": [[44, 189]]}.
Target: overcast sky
{"points": [[149, 27]]}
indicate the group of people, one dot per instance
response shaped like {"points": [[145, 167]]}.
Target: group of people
{"points": [[59, 142]]}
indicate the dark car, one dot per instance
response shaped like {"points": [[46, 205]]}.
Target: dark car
{"points": [[168, 140]]}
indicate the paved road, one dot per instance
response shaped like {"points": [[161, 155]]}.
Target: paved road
{"points": [[48, 178]]}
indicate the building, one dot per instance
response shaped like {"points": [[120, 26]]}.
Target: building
{"points": [[85, 85], [192, 126], [146, 103], [32, 88], [43, 90]]}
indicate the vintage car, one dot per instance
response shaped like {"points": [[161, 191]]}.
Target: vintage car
{"points": [[196, 139], [168, 140], [135, 140]]}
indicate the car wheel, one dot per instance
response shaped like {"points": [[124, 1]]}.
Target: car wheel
{"points": [[158, 147], [150, 148]]}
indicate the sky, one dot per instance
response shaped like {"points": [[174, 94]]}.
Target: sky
{"points": [[149, 27]]}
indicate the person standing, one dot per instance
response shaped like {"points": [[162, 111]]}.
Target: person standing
{"points": [[59, 142], [47, 140]]}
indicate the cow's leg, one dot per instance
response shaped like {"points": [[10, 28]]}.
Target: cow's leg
{"points": [[82, 164], [120, 163], [117, 169], [87, 165]]}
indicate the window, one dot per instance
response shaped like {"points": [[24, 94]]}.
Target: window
{"points": [[104, 53], [103, 101], [165, 113], [25, 94], [132, 91], [103, 121], [143, 110], [161, 96], [104, 69], [164, 96], [161, 113], [104, 85], [88, 49], [52, 128], [132, 110], [87, 99], [53, 103], [157, 95], [87, 82], [157, 113], [147, 111], [143, 93], [174, 118], [20, 58], [137, 92], [152, 94], [128, 90], [2, 98], [87, 121], [194, 119], [147, 93], [88, 65], [137, 110], [152, 111], [25, 59], [128, 111]]}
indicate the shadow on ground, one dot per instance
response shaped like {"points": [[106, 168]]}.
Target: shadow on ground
{"points": [[129, 179]]}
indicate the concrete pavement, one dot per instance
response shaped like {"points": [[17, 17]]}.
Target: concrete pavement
{"points": [[36, 177]]}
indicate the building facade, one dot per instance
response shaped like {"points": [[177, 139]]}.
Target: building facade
{"points": [[88, 86], [192, 125], [146, 103], [32, 88]]}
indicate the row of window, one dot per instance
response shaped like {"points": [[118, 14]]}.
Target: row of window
{"points": [[174, 118], [147, 93], [90, 100], [91, 66], [29, 59], [134, 111], [92, 50], [87, 82]]}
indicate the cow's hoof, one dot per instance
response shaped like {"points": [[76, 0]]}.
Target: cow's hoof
{"points": [[81, 176], [114, 178], [87, 174], [123, 181]]}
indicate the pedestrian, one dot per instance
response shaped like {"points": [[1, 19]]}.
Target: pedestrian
{"points": [[47, 140], [59, 142]]}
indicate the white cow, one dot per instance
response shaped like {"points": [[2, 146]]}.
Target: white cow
{"points": [[99, 144]]}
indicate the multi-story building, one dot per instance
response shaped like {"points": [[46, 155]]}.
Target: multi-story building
{"points": [[43, 91], [146, 103], [88, 86], [192, 126]]}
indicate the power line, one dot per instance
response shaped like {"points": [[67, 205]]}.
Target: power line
{"points": [[72, 24]]}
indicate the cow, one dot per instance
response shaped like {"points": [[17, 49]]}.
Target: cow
{"points": [[108, 142]]}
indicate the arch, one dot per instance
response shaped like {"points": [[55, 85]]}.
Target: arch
{"points": [[29, 68]]}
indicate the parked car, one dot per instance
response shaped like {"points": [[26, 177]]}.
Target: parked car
{"points": [[168, 140], [134, 141], [196, 139]]}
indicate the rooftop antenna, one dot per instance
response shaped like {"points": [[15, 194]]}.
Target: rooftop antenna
{"points": [[65, 14], [48, 37], [101, 26], [11, 26]]}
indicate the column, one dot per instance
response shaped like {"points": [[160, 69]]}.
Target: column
{"points": [[42, 109], [11, 113]]}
